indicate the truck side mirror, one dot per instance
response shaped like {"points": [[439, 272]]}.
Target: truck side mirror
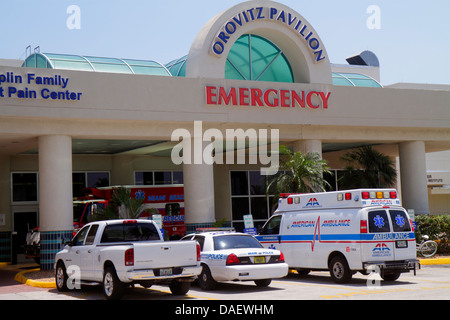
{"points": [[260, 229], [68, 243]]}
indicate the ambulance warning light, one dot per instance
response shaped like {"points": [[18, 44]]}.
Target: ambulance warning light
{"points": [[379, 195]]}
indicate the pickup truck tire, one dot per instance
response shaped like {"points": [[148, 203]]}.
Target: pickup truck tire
{"points": [[179, 288], [113, 288], [61, 277], [205, 279]]}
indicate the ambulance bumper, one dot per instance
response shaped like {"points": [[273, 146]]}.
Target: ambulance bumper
{"points": [[393, 266]]}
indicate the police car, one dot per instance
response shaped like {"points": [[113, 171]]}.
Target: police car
{"points": [[233, 256]]}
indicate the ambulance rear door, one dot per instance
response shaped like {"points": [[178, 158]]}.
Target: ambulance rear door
{"points": [[389, 236], [404, 237], [377, 242]]}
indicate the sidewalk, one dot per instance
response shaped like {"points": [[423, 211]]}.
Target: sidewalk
{"points": [[8, 283]]}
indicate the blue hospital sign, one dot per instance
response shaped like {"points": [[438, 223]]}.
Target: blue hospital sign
{"points": [[32, 86]]}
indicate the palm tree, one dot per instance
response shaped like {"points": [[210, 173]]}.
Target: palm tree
{"points": [[121, 206], [367, 168], [299, 173]]}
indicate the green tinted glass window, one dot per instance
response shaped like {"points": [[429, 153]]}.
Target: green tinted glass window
{"points": [[177, 67], [156, 71], [41, 62], [99, 64], [72, 65], [31, 61], [256, 58], [355, 80], [115, 68]]}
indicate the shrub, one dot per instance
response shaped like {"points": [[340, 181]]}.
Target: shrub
{"points": [[437, 228]]}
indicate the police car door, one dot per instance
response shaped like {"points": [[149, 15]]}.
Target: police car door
{"points": [[269, 236], [378, 244]]}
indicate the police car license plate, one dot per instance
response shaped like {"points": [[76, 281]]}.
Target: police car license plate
{"points": [[165, 272], [401, 244], [260, 260]]}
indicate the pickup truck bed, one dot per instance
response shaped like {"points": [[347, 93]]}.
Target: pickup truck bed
{"points": [[118, 253]]}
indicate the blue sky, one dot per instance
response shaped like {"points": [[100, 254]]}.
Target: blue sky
{"points": [[412, 44]]}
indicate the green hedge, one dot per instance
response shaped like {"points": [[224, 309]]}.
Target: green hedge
{"points": [[437, 228]]}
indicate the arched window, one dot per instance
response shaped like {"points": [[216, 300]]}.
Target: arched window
{"points": [[255, 58]]}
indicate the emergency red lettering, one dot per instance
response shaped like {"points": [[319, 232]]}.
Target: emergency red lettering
{"points": [[210, 95], [243, 96], [274, 102], [223, 96], [325, 99], [256, 95], [284, 96], [309, 101], [297, 100], [272, 98]]}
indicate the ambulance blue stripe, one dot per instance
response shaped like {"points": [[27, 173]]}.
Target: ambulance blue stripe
{"points": [[341, 237]]}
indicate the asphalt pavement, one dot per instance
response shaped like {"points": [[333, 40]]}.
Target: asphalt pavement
{"points": [[13, 278]]}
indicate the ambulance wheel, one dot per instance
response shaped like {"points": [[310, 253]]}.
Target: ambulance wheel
{"points": [[391, 276], [339, 270], [205, 279]]}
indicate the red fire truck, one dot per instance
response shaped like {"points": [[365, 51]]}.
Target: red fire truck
{"points": [[167, 199]]}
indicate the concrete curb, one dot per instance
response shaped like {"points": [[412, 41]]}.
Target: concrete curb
{"points": [[436, 261], [33, 283]]}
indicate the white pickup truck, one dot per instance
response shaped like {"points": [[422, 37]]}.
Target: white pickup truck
{"points": [[118, 253]]}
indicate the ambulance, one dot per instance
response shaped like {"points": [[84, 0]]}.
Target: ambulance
{"points": [[364, 230]]}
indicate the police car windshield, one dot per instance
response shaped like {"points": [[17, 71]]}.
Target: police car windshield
{"points": [[235, 242]]}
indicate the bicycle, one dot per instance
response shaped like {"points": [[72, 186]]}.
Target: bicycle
{"points": [[427, 248]]}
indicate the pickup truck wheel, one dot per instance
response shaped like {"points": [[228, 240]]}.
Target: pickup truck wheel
{"points": [[61, 277], [179, 288], [205, 279], [113, 288]]}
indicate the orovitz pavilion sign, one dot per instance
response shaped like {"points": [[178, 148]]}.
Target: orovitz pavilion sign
{"points": [[290, 20]]}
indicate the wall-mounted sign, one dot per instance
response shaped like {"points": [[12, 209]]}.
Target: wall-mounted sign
{"points": [[438, 178], [292, 21], [274, 98], [32, 86]]}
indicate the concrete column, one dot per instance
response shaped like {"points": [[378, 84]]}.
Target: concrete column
{"points": [[198, 187], [413, 174], [55, 195], [5, 195], [122, 170], [5, 210], [306, 146]]}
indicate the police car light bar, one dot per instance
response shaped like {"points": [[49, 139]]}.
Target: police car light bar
{"points": [[201, 230]]}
